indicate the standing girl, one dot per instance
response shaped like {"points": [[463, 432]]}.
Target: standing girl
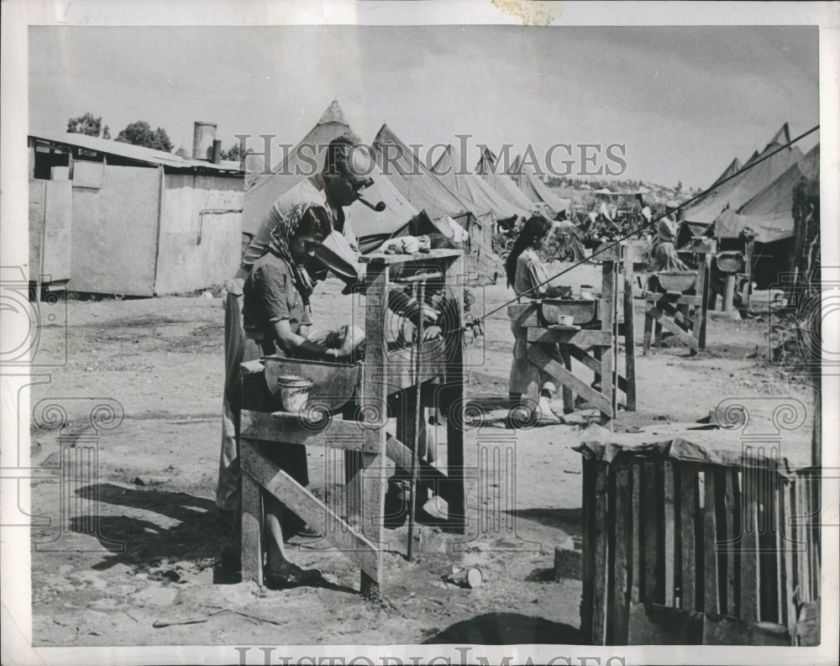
{"points": [[527, 276]]}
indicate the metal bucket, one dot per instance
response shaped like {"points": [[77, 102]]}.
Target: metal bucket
{"points": [[294, 392], [333, 384]]}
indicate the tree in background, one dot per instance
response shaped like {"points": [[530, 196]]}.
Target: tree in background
{"points": [[87, 124], [139, 133]]}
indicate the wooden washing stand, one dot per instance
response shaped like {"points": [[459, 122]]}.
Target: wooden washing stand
{"points": [[551, 349], [683, 315], [736, 267], [358, 427]]}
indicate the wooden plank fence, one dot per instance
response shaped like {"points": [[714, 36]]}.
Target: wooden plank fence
{"points": [[684, 552]]}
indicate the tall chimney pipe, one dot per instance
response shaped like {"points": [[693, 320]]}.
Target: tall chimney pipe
{"points": [[217, 151], [203, 136]]}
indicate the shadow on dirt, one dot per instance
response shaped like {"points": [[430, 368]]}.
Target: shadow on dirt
{"points": [[147, 543], [507, 629], [566, 519]]}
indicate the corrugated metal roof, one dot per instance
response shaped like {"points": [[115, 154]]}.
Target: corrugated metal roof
{"points": [[132, 152]]}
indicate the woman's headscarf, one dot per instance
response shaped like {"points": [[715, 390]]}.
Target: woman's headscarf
{"points": [[281, 239]]}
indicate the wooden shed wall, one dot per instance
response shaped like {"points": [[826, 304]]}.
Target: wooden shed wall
{"points": [[200, 232], [115, 216], [50, 222]]}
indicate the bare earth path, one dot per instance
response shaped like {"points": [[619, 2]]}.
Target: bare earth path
{"points": [[138, 537]]}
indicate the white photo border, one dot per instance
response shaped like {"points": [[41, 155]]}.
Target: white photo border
{"points": [[18, 15]]}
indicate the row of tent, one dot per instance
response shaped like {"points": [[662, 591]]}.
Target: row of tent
{"points": [[476, 200], [760, 197]]}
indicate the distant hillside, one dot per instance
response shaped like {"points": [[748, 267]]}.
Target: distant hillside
{"points": [[581, 187]]}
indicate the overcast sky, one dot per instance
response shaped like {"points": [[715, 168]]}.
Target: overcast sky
{"points": [[684, 101]]}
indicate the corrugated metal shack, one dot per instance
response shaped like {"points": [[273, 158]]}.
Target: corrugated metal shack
{"points": [[114, 218]]}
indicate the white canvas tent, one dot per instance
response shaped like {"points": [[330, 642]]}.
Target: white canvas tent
{"points": [[536, 190], [427, 192], [306, 159], [729, 171], [491, 171], [769, 214], [415, 180], [474, 189], [735, 193]]}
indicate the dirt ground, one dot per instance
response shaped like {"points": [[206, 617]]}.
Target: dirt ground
{"points": [[132, 535]]}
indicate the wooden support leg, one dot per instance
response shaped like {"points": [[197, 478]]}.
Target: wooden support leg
{"points": [[657, 333], [252, 549], [729, 293], [748, 254], [568, 394], [375, 415], [648, 332], [598, 353], [702, 286], [353, 467], [352, 476], [455, 401], [629, 331], [609, 296], [534, 388]]}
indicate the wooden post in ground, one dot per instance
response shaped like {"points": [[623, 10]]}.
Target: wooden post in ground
{"points": [[749, 248], [729, 293], [375, 416], [608, 301], [704, 267], [629, 329], [568, 394], [251, 535], [452, 397]]}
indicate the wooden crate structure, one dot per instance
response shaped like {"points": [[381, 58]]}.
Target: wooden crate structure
{"points": [[682, 315], [594, 345], [361, 433], [679, 551]]}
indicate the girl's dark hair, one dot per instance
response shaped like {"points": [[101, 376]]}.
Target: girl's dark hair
{"points": [[535, 228], [316, 220]]}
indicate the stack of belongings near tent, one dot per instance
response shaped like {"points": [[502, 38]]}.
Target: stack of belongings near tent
{"points": [[426, 192], [756, 206]]}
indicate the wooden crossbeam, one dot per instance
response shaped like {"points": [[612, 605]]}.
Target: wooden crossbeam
{"points": [[538, 358], [286, 428], [300, 501], [673, 327], [593, 364], [685, 299], [583, 338]]}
